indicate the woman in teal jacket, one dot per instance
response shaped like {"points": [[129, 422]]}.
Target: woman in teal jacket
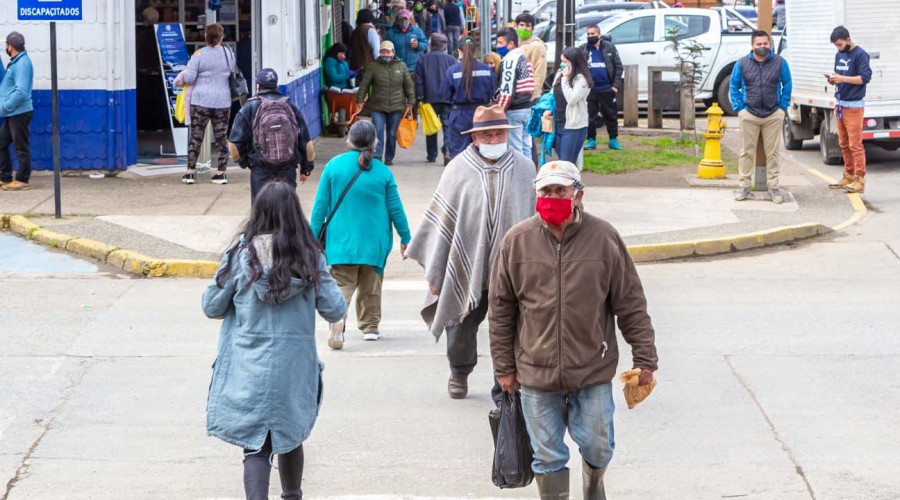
{"points": [[359, 235], [337, 71], [266, 386]]}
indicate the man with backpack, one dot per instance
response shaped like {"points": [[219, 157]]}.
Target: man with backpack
{"points": [[270, 137]]}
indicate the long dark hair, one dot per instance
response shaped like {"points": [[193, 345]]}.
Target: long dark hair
{"points": [[468, 48], [295, 252], [579, 66]]}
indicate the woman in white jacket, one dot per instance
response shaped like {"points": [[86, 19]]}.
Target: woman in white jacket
{"points": [[570, 89]]}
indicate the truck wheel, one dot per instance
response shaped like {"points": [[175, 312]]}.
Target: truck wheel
{"points": [[787, 131], [724, 100], [828, 145]]}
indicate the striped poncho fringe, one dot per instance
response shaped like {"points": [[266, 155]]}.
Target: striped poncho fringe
{"points": [[473, 207]]}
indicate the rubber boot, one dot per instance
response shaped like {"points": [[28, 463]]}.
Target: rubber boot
{"points": [[553, 486], [592, 482], [857, 186], [845, 181]]}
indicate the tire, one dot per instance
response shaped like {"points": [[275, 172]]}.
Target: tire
{"points": [[722, 94], [828, 145], [787, 132]]}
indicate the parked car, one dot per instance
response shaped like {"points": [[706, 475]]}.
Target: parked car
{"points": [[546, 30], [642, 38], [546, 10]]}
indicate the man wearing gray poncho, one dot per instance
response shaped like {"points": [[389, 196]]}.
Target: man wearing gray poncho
{"points": [[484, 191]]}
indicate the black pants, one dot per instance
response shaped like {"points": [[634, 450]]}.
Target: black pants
{"points": [[15, 130], [259, 176], [462, 340], [431, 141], [605, 102], [257, 470]]}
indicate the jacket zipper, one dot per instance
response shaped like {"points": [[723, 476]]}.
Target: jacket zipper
{"points": [[559, 310]]}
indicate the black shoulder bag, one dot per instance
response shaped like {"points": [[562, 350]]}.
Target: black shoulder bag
{"points": [[337, 205], [237, 84]]}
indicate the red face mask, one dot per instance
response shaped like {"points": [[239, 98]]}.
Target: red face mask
{"points": [[554, 211]]}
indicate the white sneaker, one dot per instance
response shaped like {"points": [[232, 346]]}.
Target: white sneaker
{"points": [[371, 335], [336, 336]]}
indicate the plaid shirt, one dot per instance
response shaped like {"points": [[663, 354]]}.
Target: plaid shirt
{"points": [[242, 135]]}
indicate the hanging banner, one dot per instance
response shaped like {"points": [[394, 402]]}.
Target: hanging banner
{"points": [[173, 57]]}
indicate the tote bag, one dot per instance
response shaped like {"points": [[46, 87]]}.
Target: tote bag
{"points": [[406, 132], [431, 124]]}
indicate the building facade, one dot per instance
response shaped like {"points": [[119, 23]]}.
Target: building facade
{"points": [[99, 98]]}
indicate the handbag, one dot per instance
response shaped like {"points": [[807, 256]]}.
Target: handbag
{"points": [[406, 131], [323, 231], [431, 124], [179, 107], [237, 84]]}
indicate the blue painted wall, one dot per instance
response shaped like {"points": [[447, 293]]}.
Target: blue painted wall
{"points": [[97, 130], [305, 92]]}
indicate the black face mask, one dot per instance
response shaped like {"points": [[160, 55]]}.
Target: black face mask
{"points": [[847, 49], [762, 51], [592, 40]]}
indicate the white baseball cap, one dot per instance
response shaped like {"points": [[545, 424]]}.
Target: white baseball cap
{"points": [[562, 173]]}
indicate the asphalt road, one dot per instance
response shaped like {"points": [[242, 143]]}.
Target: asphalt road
{"points": [[775, 382]]}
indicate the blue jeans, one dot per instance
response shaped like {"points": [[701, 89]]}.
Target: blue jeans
{"points": [[386, 122], [431, 141], [259, 176], [518, 139], [569, 143], [587, 413]]}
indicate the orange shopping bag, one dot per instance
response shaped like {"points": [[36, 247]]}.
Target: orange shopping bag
{"points": [[406, 132]]}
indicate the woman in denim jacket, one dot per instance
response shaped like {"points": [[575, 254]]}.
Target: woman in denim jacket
{"points": [[266, 386]]}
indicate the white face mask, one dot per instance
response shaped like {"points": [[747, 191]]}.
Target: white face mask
{"points": [[493, 151]]}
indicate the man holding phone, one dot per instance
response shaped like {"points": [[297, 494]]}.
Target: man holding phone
{"points": [[851, 74]]}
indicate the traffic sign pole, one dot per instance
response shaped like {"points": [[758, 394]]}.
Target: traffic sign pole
{"points": [[54, 91]]}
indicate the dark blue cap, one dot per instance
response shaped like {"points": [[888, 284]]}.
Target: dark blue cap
{"points": [[268, 78]]}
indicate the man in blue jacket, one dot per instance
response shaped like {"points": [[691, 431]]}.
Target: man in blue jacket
{"points": [[431, 69], [760, 93], [16, 110]]}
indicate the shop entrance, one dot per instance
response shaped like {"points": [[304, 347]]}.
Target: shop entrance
{"points": [[241, 20]]}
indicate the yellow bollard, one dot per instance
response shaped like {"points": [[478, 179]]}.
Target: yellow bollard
{"points": [[711, 166]]}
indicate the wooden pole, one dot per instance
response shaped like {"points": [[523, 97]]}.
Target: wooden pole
{"points": [[764, 22], [630, 95]]}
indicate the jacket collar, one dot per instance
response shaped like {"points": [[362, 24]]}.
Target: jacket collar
{"points": [[16, 59]]}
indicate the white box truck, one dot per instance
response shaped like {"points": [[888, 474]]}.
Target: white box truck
{"points": [[873, 25]]}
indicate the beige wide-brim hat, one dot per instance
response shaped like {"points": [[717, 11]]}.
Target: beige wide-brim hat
{"points": [[489, 118]]}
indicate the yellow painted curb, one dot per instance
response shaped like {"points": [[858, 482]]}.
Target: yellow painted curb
{"points": [[859, 207], [718, 246], [23, 226], [126, 260], [51, 238], [191, 268], [90, 248]]}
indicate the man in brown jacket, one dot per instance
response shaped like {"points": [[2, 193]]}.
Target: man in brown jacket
{"points": [[560, 282]]}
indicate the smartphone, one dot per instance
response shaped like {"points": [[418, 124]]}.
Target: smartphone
{"points": [[827, 76]]}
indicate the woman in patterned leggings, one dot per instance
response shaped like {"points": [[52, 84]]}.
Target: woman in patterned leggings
{"points": [[208, 71]]}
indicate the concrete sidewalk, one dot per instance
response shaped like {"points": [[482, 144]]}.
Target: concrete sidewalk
{"points": [[662, 214]]}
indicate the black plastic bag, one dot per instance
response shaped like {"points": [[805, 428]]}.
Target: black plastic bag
{"points": [[512, 449]]}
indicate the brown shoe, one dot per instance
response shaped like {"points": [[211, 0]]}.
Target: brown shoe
{"points": [[857, 186], [16, 186], [845, 181], [458, 386]]}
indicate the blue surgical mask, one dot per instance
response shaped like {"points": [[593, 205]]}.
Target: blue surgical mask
{"points": [[493, 151], [503, 50], [404, 25]]}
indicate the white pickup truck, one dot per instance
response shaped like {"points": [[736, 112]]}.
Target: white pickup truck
{"points": [[642, 38], [807, 48]]}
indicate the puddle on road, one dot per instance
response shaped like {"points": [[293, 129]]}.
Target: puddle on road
{"points": [[24, 258]]}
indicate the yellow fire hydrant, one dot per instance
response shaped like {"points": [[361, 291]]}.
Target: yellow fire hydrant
{"points": [[711, 166]]}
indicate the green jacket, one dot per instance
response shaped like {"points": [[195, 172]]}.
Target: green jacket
{"points": [[391, 86]]}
